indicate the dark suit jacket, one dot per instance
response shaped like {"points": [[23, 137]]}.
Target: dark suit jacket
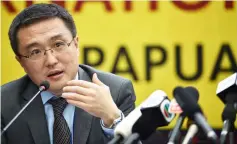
{"points": [[31, 126]]}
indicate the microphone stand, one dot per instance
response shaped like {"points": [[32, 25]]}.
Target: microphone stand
{"points": [[17, 115], [232, 127], [229, 128], [232, 134], [175, 134], [133, 139], [116, 140]]}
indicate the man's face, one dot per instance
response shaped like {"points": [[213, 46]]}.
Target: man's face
{"points": [[56, 68]]}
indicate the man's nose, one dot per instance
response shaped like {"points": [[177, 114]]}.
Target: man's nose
{"points": [[51, 58]]}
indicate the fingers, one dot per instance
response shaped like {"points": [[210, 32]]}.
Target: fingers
{"points": [[79, 104], [81, 83], [86, 84], [93, 97], [76, 97], [79, 90], [96, 80]]}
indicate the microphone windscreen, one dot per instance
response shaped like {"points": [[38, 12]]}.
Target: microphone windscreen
{"points": [[192, 91], [231, 96], [45, 84], [229, 113], [186, 102]]}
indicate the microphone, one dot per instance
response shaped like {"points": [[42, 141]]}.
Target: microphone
{"points": [[191, 132], [133, 139], [144, 119], [43, 87], [227, 89], [176, 131], [193, 111], [227, 92], [228, 117], [193, 129]]}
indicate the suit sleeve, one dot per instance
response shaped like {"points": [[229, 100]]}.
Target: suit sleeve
{"points": [[125, 101], [126, 98], [3, 137]]}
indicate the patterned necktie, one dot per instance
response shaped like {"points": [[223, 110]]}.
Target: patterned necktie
{"points": [[61, 131]]}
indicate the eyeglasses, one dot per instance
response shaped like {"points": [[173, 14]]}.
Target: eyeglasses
{"points": [[58, 47]]}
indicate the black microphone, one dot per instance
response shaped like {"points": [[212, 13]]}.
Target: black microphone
{"points": [[227, 89], [145, 118], [228, 117], [227, 92], [43, 87], [173, 138], [194, 112], [152, 118]]}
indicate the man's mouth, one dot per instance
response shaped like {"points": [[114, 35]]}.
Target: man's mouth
{"points": [[55, 73]]}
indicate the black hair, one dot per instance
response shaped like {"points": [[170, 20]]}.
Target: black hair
{"points": [[35, 13]]}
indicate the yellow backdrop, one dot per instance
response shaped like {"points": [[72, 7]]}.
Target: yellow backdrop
{"points": [[155, 44]]}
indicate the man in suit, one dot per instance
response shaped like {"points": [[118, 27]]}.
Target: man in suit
{"points": [[81, 106]]}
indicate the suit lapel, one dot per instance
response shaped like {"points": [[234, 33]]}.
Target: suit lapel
{"points": [[35, 115], [82, 119]]}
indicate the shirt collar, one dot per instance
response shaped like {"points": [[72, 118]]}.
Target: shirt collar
{"points": [[46, 95]]}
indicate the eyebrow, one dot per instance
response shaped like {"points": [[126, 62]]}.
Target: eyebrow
{"points": [[57, 36], [35, 44]]}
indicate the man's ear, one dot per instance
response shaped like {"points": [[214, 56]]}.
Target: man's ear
{"points": [[77, 45], [76, 39], [19, 60]]}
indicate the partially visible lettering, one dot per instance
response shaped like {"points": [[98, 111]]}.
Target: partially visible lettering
{"points": [[156, 56], [128, 5], [107, 5]]}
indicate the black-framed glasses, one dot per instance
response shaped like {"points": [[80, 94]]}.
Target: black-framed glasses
{"points": [[57, 47]]}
